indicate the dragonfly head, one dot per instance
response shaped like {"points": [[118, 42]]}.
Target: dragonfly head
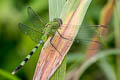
{"points": [[58, 20]]}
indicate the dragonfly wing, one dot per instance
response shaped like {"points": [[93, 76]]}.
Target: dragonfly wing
{"points": [[87, 33], [32, 33], [37, 22]]}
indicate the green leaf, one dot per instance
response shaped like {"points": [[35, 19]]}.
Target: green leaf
{"points": [[97, 57], [55, 8], [60, 72], [117, 33], [69, 7], [74, 15], [107, 69], [8, 75]]}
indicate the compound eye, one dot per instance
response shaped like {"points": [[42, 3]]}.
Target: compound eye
{"points": [[60, 20]]}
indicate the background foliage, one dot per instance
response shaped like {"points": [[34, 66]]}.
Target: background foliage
{"points": [[14, 45]]}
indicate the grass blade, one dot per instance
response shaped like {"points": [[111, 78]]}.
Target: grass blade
{"points": [[55, 8], [117, 33], [107, 69], [49, 60], [105, 19], [7, 75], [97, 57]]}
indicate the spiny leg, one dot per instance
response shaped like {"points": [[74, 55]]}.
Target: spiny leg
{"points": [[53, 45], [28, 57], [61, 37]]}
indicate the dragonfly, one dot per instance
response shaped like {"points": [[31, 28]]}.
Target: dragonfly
{"points": [[41, 31]]}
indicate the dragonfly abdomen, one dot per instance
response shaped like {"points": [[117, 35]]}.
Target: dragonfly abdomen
{"points": [[28, 57]]}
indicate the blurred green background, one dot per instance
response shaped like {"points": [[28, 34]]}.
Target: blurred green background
{"points": [[14, 45]]}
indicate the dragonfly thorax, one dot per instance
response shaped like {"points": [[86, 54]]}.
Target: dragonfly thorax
{"points": [[52, 26]]}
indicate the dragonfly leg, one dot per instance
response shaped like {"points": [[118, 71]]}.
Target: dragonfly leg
{"points": [[54, 46], [62, 36], [28, 57]]}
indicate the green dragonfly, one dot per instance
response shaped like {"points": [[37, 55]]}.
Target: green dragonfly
{"points": [[40, 31]]}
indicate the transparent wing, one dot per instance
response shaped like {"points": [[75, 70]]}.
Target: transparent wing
{"points": [[32, 33], [37, 22], [87, 33]]}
